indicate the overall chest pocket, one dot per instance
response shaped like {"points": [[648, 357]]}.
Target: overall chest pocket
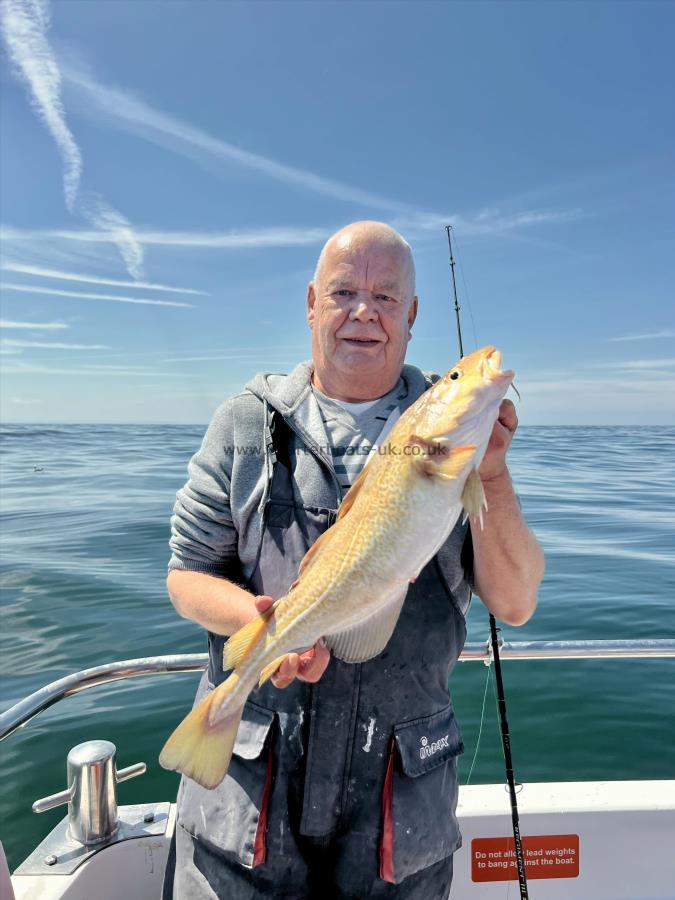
{"points": [[288, 532], [232, 818], [419, 825]]}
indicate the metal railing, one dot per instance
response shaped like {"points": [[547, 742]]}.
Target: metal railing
{"points": [[23, 711]]}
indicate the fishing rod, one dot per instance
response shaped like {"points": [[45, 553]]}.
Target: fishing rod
{"points": [[448, 229], [494, 639]]}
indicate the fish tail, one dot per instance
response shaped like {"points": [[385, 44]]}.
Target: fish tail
{"points": [[201, 747]]}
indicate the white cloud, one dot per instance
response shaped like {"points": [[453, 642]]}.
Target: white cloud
{"points": [[286, 236], [484, 223], [51, 345], [24, 27], [55, 253], [41, 272], [101, 215], [262, 353], [262, 356], [21, 368], [222, 240], [116, 107], [25, 24], [30, 289], [34, 326], [662, 363], [664, 333]]}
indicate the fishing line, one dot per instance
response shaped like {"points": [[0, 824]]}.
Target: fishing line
{"points": [[468, 299], [482, 719], [494, 643], [506, 744]]}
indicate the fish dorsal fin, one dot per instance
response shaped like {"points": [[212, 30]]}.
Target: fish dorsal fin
{"points": [[369, 638], [242, 642], [352, 493]]}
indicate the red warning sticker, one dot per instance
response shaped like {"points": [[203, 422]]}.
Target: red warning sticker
{"points": [[546, 856]]}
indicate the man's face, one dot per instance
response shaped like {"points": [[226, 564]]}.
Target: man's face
{"points": [[360, 311]]}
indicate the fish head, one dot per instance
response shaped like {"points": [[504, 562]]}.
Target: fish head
{"points": [[463, 405]]}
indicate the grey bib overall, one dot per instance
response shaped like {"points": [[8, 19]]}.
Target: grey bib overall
{"points": [[346, 787]]}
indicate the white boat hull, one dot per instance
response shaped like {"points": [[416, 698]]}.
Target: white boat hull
{"points": [[583, 840], [624, 847]]}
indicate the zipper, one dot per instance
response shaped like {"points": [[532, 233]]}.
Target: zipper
{"points": [[316, 451], [269, 472], [269, 465]]}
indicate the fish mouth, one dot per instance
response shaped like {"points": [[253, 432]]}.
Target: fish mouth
{"points": [[492, 367], [494, 360]]}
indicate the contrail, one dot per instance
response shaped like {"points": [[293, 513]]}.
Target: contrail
{"points": [[24, 26], [58, 274], [116, 298], [44, 326], [124, 110], [24, 29]]}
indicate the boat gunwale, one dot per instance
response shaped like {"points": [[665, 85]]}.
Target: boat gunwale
{"points": [[18, 715]]}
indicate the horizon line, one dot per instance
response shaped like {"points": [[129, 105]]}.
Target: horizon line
{"points": [[205, 422]]}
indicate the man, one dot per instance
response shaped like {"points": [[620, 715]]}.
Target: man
{"points": [[344, 784]]}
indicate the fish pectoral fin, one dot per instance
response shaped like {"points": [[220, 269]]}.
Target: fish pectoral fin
{"points": [[270, 669], [439, 461], [473, 498], [369, 638], [200, 748], [242, 642]]}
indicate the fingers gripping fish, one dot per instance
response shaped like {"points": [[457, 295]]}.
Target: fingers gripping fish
{"points": [[353, 580]]}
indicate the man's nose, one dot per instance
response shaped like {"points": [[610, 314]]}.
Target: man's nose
{"points": [[363, 308]]}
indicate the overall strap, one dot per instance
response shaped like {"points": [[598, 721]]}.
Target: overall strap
{"points": [[277, 435]]}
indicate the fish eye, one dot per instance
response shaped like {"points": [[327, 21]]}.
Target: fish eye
{"points": [[454, 375]]}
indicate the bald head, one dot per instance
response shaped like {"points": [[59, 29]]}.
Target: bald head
{"points": [[361, 306], [363, 237]]}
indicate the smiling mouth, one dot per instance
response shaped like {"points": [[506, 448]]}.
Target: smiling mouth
{"points": [[362, 342]]}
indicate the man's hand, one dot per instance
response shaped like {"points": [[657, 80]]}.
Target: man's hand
{"points": [[508, 562], [307, 666], [494, 461]]}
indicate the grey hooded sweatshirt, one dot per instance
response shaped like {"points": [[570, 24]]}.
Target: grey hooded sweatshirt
{"points": [[365, 760]]}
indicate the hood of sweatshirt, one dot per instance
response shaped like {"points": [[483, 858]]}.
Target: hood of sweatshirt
{"points": [[287, 392]]}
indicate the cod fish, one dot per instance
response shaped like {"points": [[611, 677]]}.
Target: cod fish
{"points": [[353, 580]]}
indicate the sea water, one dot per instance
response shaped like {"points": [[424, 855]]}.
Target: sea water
{"points": [[83, 550]]}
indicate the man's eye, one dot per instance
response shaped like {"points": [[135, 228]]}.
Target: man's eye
{"points": [[384, 297], [344, 292]]}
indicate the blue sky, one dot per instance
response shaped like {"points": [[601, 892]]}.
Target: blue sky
{"points": [[170, 170]]}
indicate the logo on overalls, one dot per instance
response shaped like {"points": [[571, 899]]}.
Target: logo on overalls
{"points": [[428, 749]]}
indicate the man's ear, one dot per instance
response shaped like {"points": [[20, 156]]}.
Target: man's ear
{"points": [[412, 314], [311, 300]]}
